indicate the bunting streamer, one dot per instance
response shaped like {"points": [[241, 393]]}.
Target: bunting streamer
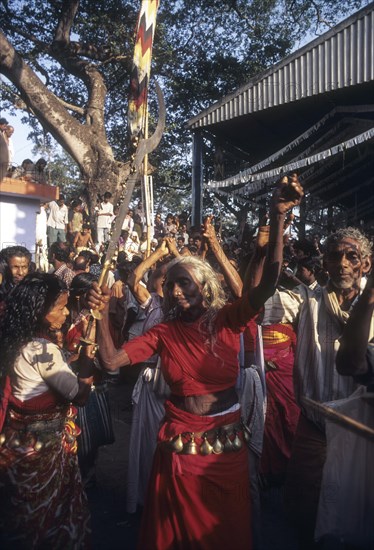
{"points": [[255, 183], [141, 69]]}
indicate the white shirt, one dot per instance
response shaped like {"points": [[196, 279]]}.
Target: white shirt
{"points": [[128, 224], [58, 216], [105, 222], [40, 367], [131, 248]]}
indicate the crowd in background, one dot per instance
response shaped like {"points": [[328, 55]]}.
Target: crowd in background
{"points": [[296, 335]]}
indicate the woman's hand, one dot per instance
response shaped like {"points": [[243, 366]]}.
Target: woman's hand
{"points": [[98, 298], [208, 230], [171, 245]]}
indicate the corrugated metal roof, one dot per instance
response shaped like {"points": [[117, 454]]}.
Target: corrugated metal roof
{"points": [[342, 57]]}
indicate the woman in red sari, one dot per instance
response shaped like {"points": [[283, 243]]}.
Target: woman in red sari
{"points": [[42, 503], [198, 493]]}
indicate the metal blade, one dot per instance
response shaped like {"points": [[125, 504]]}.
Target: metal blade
{"points": [[145, 147]]}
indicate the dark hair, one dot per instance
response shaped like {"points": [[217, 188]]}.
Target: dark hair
{"points": [[5, 255], [107, 195], [124, 269], [12, 251], [91, 256], [24, 317], [79, 286], [81, 283], [313, 264], [80, 263], [60, 251], [41, 162]]}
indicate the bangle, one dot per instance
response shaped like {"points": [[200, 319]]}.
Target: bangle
{"points": [[85, 367]]}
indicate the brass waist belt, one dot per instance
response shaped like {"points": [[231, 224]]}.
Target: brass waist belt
{"points": [[223, 439]]}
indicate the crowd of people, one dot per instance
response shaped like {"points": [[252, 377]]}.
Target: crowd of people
{"points": [[237, 345]]}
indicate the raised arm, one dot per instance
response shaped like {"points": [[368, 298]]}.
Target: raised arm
{"points": [[140, 292], [265, 272], [231, 275], [351, 357]]}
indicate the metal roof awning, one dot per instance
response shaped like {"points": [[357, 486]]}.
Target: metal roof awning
{"points": [[341, 58], [313, 113]]}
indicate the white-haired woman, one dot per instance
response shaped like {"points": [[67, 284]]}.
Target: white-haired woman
{"points": [[198, 492]]}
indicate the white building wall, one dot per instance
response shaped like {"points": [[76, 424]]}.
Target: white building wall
{"points": [[18, 221]]}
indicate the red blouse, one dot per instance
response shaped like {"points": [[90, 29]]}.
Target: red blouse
{"points": [[188, 364]]}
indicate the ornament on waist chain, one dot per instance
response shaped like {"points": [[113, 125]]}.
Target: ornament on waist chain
{"points": [[190, 448], [38, 445], [217, 445], [206, 448], [237, 443], [2, 439], [177, 444], [228, 446], [15, 442]]}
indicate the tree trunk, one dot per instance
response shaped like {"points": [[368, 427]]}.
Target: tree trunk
{"points": [[85, 142]]}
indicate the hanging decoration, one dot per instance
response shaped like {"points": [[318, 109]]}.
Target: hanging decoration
{"points": [[140, 74]]}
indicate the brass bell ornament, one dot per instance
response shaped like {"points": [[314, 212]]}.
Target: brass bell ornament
{"points": [[217, 445], [206, 448], [177, 444], [190, 448]]}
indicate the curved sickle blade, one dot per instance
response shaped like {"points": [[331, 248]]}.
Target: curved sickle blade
{"points": [[145, 146]]}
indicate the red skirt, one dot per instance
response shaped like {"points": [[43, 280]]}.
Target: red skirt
{"points": [[42, 502], [195, 501], [282, 412]]}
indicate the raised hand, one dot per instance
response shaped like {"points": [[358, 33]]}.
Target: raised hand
{"points": [[287, 195], [208, 229], [171, 245]]}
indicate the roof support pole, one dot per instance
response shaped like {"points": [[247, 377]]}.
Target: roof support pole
{"points": [[302, 210], [197, 179]]}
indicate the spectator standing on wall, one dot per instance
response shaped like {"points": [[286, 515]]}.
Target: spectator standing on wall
{"points": [[8, 132], [40, 176], [58, 220]]}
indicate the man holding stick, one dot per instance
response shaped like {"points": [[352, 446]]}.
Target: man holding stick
{"points": [[321, 315]]}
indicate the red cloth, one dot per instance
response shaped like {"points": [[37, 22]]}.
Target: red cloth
{"points": [[250, 335], [282, 412], [43, 402], [42, 502], [188, 364], [5, 393], [194, 501]]}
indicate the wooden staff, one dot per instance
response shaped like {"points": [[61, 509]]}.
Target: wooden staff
{"points": [[95, 314], [339, 418]]}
